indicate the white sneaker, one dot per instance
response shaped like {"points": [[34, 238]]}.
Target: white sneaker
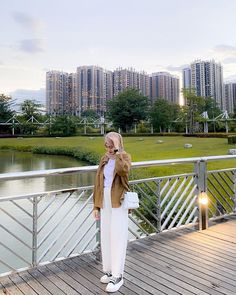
{"points": [[114, 284], [106, 278]]}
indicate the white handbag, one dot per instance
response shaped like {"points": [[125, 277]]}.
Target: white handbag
{"points": [[131, 200]]}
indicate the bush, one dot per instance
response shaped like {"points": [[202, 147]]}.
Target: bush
{"points": [[231, 139], [78, 153], [142, 128]]}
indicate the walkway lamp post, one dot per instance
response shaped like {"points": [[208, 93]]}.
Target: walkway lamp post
{"points": [[203, 210]]}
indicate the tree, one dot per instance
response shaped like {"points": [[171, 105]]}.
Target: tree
{"points": [[163, 113], [5, 108], [193, 104], [5, 112], [196, 105], [30, 116], [30, 108], [62, 126], [89, 114], [127, 108]]}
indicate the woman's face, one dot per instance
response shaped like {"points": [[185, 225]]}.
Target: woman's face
{"points": [[109, 147]]}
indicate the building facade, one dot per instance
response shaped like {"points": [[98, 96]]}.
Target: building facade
{"points": [[129, 78], [230, 97], [57, 93], [186, 72], [91, 86], [90, 89], [165, 86], [207, 80]]}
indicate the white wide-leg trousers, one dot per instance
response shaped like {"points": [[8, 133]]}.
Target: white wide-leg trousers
{"points": [[114, 235]]}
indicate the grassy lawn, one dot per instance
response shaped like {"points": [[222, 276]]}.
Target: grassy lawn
{"points": [[146, 148]]}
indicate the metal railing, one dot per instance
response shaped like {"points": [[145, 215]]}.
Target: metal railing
{"points": [[47, 226]]}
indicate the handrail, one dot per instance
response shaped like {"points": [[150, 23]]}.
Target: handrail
{"points": [[83, 169]]}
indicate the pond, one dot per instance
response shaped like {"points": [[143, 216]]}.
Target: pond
{"points": [[13, 161]]}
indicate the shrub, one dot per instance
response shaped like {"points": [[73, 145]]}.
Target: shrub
{"points": [[231, 139], [78, 153]]}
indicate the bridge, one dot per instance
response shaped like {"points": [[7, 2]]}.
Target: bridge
{"points": [[50, 243]]}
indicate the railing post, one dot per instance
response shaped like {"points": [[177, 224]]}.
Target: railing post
{"points": [[234, 189], [98, 240], [34, 231], [201, 171], [158, 206]]}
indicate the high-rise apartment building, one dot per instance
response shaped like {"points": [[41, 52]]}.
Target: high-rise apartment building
{"points": [[108, 86], [90, 88], [207, 79], [57, 92], [186, 78], [165, 86], [129, 78], [230, 96], [73, 103]]}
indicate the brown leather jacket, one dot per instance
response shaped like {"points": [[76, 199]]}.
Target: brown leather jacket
{"points": [[120, 182]]}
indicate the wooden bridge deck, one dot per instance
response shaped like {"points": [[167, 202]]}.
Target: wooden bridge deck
{"points": [[176, 262]]}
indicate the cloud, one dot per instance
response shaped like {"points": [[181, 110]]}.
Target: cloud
{"points": [[19, 95], [231, 78], [32, 45], [176, 68], [26, 21], [225, 49], [226, 53], [230, 60]]}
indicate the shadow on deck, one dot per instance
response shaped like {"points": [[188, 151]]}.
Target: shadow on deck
{"points": [[182, 261]]}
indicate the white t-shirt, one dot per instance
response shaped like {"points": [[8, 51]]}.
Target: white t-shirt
{"points": [[108, 172]]}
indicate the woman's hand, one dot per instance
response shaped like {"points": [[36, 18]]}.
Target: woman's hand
{"points": [[96, 214]]}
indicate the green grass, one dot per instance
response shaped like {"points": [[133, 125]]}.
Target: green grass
{"points": [[141, 149]]}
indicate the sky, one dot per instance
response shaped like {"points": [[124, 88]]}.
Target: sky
{"points": [[150, 36]]}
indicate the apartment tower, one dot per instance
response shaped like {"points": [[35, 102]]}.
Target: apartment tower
{"points": [[165, 86], [57, 92], [207, 79]]}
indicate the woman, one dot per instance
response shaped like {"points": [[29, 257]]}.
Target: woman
{"points": [[110, 185]]}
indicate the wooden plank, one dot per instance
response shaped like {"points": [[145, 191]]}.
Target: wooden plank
{"points": [[22, 285], [194, 269], [156, 273], [83, 269], [191, 258], [57, 281], [96, 268], [123, 290], [190, 248], [68, 279], [79, 278], [2, 290], [204, 243], [45, 282], [171, 272], [8, 287], [171, 262], [219, 236], [146, 251], [208, 256], [215, 243], [201, 246], [195, 284], [34, 284]]}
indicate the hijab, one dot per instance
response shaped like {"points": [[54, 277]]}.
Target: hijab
{"points": [[109, 139]]}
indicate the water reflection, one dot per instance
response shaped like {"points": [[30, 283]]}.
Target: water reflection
{"points": [[12, 161]]}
